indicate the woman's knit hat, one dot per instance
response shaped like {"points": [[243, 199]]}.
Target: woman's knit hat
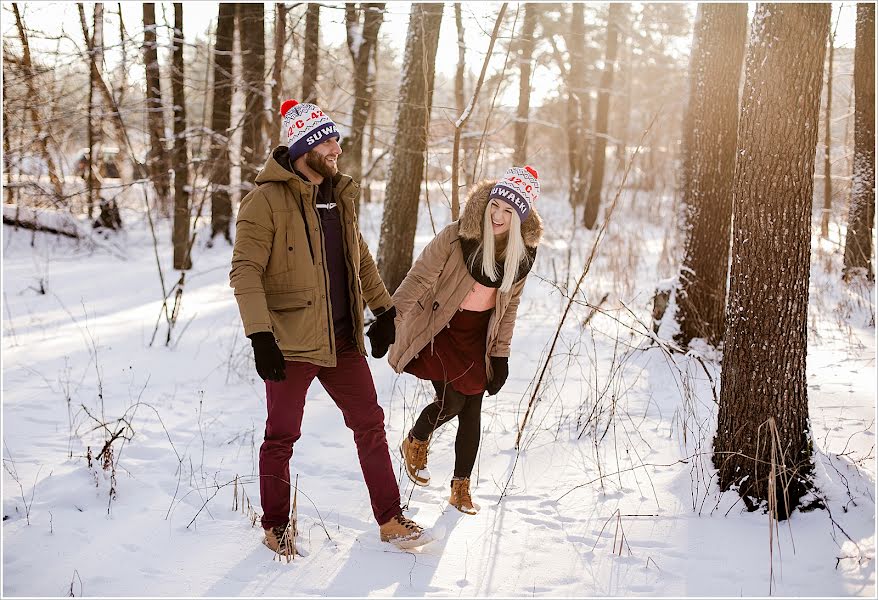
{"points": [[520, 188]]}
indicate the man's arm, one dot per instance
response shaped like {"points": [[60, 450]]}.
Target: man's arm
{"points": [[253, 240]]}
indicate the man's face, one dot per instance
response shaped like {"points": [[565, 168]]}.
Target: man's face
{"points": [[324, 158]]}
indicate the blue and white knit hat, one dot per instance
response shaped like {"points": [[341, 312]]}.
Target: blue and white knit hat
{"points": [[306, 127], [520, 188]]}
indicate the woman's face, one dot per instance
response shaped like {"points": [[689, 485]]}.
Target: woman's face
{"points": [[501, 216]]}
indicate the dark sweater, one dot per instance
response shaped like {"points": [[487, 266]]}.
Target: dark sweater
{"points": [[333, 242]]}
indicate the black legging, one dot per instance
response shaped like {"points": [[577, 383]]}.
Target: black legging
{"points": [[450, 403]]}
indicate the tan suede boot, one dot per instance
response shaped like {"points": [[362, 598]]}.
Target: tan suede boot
{"points": [[279, 540], [460, 497], [414, 455], [404, 533]]}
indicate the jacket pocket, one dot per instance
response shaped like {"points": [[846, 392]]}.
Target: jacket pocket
{"points": [[294, 317], [289, 299]]}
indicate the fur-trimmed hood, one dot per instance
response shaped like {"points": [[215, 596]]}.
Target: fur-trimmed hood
{"points": [[474, 213]]}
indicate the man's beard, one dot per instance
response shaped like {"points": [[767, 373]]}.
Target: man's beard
{"points": [[317, 162]]}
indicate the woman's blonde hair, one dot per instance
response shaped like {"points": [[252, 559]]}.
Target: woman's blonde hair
{"points": [[512, 255]]}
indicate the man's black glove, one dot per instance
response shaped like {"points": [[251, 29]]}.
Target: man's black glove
{"points": [[382, 332], [269, 358], [500, 367]]}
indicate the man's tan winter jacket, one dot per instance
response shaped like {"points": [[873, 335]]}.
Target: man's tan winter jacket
{"points": [[279, 264], [439, 281]]}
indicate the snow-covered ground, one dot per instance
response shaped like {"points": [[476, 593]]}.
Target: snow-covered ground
{"points": [[612, 492]]}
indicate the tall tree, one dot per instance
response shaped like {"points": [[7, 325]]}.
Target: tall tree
{"points": [[220, 122], [763, 437], [403, 191], [459, 73], [362, 25], [578, 111], [858, 243], [525, 50], [180, 238], [827, 136], [709, 136], [596, 181], [156, 162], [311, 60], [277, 85], [33, 108], [95, 45], [251, 27]]}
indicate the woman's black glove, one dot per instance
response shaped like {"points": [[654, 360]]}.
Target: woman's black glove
{"points": [[382, 332], [269, 358], [500, 367]]}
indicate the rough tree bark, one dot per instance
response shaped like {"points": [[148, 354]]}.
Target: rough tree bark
{"points": [[221, 122], [526, 43], [180, 237], [362, 37], [763, 437], [311, 60], [156, 161], [403, 190], [251, 27], [277, 86], [596, 181], [858, 243], [578, 109], [710, 130]]}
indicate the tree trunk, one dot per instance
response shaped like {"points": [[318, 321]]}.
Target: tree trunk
{"points": [[403, 190], [362, 37], [123, 67], [251, 24], [182, 258], [94, 121], [710, 133], [311, 60], [827, 141], [763, 437], [221, 121], [858, 242], [458, 88], [36, 118], [277, 86], [9, 191], [526, 43], [157, 162], [596, 182], [578, 110]]}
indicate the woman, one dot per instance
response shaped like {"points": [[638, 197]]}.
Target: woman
{"points": [[456, 311]]}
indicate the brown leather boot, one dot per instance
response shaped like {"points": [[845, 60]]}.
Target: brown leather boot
{"points": [[404, 533], [460, 497], [279, 540], [414, 455]]}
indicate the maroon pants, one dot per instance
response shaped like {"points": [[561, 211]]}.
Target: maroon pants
{"points": [[350, 386]]}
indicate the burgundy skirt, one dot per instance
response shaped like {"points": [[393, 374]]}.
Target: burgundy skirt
{"points": [[458, 353]]}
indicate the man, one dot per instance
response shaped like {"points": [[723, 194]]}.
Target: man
{"points": [[301, 274]]}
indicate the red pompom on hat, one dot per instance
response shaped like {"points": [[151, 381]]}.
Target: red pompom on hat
{"points": [[287, 105], [532, 171]]}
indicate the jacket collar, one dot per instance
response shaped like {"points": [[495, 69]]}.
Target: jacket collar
{"points": [[278, 168]]}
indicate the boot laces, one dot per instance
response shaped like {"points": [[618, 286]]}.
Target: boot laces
{"points": [[419, 453], [463, 494], [408, 523]]}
